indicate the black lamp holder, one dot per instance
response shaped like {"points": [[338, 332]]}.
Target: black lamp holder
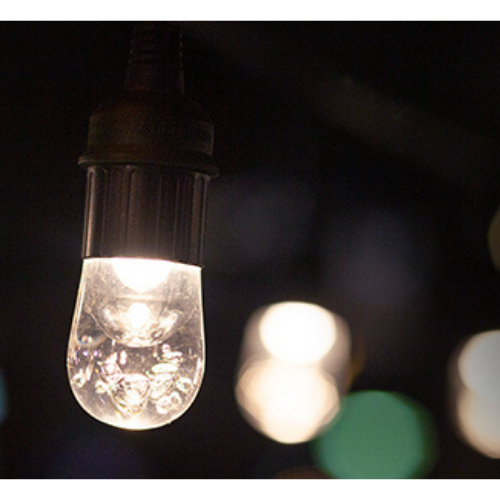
{"points": [[149, 159]]}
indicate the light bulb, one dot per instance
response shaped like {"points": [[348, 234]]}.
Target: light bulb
{"points": [[136, 351]]}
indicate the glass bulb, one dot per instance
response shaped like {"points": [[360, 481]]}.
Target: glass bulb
{"points": [[136, 352]]}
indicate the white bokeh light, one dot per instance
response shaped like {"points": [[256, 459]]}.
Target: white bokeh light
{"points": [[297, 332], [293, 370], [479, 365], [475, 381], [289, 403]]}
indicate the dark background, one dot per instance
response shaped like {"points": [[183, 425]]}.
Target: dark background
{"points": [[359, 169]]}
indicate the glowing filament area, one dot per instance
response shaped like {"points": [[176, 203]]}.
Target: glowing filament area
{"points": [[138, 316], [141, 275]]}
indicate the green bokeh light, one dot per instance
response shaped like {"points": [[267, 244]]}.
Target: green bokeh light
{"points": [[378, 435]]}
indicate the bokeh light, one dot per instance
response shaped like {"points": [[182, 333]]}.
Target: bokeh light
{"points": [[287, 403], [479, 366], [378, 435], [282, 332], [293, 370], [479, 423], [475, 392]]}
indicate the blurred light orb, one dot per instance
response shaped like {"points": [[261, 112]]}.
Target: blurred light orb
{"points": [[287, 403], [293, 370], [475, 384], [479, 365], [479, 423], [378, 435], [297, 332]]}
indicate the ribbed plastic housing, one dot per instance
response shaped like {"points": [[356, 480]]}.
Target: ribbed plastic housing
{"points": [[149, 159], [145, 211]]}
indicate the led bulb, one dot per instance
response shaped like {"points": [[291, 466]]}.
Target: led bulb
{"points": [[136, 351]]}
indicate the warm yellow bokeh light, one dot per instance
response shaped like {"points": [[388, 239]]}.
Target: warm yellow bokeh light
{"points": [[289, 404], [479, 365], [297, 332], [476, 383], [479, 422], [293, 370]]}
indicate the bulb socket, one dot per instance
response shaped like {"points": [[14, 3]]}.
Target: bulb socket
{"points": [[149, 159], [142, 127], [145, 211]]}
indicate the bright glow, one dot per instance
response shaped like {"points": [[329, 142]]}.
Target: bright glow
{"points": [[136, 360], [297, 332], [479, 422], [293, 370], [138, 316], [288, 403], [479, 365], [477, 392], [141, 275]]}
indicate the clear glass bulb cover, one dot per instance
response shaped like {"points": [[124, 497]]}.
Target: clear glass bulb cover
{"points": [[136, 353]]}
